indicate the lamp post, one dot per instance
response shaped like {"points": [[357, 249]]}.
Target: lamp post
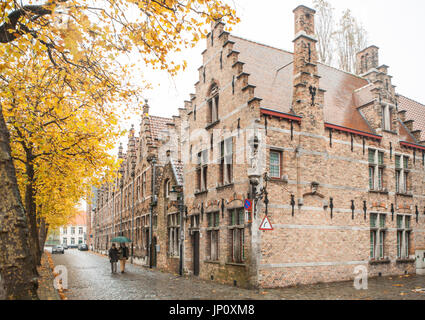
{"points": [[121, 171], [152, 161], [113, 212], [177, 195], [133, 174], [255, 176]]}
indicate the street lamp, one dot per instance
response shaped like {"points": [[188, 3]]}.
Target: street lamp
{"points": [[121, 171], [152, 160], [133, 174], [176, 194], [255, 176]]}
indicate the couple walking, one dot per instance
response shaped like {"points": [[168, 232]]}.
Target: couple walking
{"points": [[120, 254]]}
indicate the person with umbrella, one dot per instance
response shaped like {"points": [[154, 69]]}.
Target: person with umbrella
{"points": [[123, 256], [122, 251], [113, 256]]}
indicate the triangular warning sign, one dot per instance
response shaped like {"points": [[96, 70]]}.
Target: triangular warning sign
{"points": [[266, 225]]}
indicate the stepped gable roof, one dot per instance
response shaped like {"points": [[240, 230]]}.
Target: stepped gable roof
{"points": [[158, 125], [414, 111], [271, 71], [177, 166], [405, 135]]}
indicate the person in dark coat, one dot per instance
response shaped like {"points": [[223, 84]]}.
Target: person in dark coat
{"points": [[123, 256], [113, 257]]}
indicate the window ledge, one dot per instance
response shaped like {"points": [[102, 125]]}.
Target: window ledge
{"points": [[409, 195], [406, 260], [213, 229], [212, 125], [238, 226], [382, 261], [225, 186], [235, 264], [174, 257], [199, 193], [379, 191], [211, 262], [389, 131]]}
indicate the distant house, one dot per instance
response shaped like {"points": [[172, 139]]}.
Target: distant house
{"points": [[75, 232]]}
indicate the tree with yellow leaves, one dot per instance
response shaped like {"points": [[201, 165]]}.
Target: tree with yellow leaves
{"points": [[51, 127], [79, 38]]}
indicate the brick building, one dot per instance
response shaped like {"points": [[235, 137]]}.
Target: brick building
{"points": [[129, 205], [334, 159]]}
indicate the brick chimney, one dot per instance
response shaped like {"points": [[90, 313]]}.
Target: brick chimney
{"points": [[367, 60], [308, 98]]}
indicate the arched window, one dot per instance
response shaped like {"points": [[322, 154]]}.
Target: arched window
{"points": [[213, 103], [167, 188]]}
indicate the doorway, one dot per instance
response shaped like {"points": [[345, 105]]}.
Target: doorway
{"points": [[195, 246]]}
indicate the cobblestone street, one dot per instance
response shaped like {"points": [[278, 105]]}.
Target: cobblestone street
{"points": [[90, 279]]}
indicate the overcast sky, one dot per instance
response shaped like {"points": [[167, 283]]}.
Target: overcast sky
{"points": [[396, 27]]}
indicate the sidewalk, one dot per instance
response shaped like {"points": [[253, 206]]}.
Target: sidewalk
{"points": [[46, 291]]}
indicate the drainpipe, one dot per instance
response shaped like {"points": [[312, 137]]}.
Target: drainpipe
{"points": [[121, 186], [132, 221], [113, 213], [181, 209], [153, 165]]}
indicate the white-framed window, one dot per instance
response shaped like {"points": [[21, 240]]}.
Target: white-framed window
{"points": [[173, 225], [237, 235], [226, 161], [167, 188], [403, 236], [213, 105], [275, 164], [138, 188], [202, 171], [213, 236], [65, 230], [387, 116], [402, 174], [144, 185], [378, 232], [72, 240], [80, 230], [194, 221], [376, 170], [72, 230]]}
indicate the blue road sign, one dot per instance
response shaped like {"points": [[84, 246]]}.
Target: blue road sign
{"points": [[248, 204]]}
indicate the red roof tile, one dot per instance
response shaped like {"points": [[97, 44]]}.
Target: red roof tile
{"points": [[414, 111], [271, 71], [158, 125]]}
